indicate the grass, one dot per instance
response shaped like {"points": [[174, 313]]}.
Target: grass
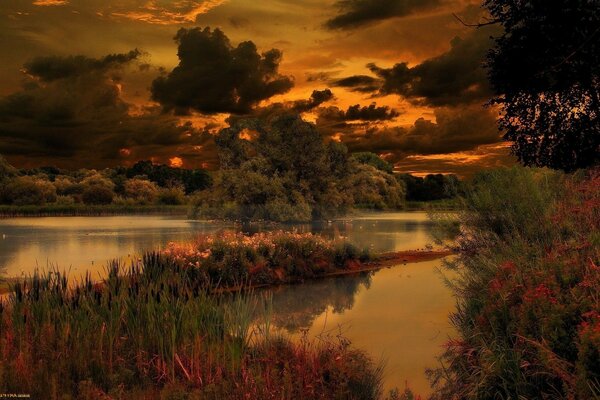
{"points": [[528, 272], [9, 211], [230, 259], [152, 330]]}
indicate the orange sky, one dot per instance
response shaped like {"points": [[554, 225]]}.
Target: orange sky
{"points": [[434, 121]]}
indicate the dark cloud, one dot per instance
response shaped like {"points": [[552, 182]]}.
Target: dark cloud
{"points": [[49, 69], [358, 113], [454, 130], [355, 13], [455, 77], [76, 116], [359, 83], [215, 77], [317, 98]]}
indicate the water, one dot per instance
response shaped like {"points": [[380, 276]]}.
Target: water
{"points": [[399, 313]]}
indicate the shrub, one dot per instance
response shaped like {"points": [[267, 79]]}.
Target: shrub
{"points": [[526, 280], [97, 194], [97, 179], [29, 190], [171, 196], [141, 190]]}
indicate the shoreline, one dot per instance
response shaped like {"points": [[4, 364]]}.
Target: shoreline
{"points": [[82, 210], [384, 260]]}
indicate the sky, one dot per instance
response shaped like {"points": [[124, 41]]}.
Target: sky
{"points": [[93, 84]]}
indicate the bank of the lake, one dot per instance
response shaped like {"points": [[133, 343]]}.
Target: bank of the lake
{"points": [[12, 211], [399, 313]]}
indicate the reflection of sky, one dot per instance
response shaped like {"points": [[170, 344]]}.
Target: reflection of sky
{"points": [[400, 316], [87, 243]]}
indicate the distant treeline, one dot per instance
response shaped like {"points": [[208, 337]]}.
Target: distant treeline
{"points": [[144, 184], [279, 170]]}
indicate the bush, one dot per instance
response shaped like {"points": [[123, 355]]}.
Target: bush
{"points": [[29, 190], [141, 190], [527, 276], [171, 196], [97, 194]]}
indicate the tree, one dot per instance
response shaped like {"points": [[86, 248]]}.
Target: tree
{"points": [[141, 190], [544, 69], [366, 157], [29, 190]]}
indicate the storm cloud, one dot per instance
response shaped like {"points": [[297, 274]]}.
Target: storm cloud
{"points": [[49, 69], [359, 83], [70, 113], [317, 98], [215, 77], [454, 129], [358, 113], [455, 77], [356, 13]]}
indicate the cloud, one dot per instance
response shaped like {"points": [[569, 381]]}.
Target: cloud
{"points": [[49, 69], [317, 98], [359, 83], [356, 13], [215, 77], [162, 12], [464, 163], [70, 113], [357, 113], [455, 129], [455, 77]]}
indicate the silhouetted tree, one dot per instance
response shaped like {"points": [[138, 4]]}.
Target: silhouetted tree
{"points": [[545, 71]]}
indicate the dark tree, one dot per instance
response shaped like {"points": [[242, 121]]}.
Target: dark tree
{"points": [[545, 71]]}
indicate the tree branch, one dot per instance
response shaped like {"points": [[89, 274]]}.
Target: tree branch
{"points": [[478, 24]]}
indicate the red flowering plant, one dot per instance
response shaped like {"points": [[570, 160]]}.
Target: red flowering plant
{"points": [[528, 301]]}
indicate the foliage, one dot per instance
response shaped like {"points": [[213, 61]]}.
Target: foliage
{"points": [[171, 196], [545, 71], [375, 189], [141, 190], [165, 176], [527, 278], [231, 259], [26, 190], [6, 170], [97, 194], [373, 160], [432, 187], [152, 331], [279, 168]]}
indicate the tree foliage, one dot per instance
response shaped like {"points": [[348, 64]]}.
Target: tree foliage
{"points": [[280, 168], [545, 71]]}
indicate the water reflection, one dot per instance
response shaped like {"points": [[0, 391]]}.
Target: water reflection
{"points": [[399, 313], [296, 307], [88, 243]]}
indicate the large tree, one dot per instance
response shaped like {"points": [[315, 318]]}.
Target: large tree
{"points": [[545, 71]]}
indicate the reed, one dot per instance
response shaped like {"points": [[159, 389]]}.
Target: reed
{"points": [[154, 329]]}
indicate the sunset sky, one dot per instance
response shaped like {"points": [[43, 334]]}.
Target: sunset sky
{"points": [[90, 83]]}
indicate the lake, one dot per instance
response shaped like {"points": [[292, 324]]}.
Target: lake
{"points": [[399, 314]]}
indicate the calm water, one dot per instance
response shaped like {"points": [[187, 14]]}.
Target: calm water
{"points": [[399, 314]]}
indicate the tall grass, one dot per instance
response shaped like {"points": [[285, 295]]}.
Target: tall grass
{"points": [[230, 259], [153, 330], [528, 310]]}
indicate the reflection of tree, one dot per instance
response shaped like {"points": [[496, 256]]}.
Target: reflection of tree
{"points": [[296, 306]]}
